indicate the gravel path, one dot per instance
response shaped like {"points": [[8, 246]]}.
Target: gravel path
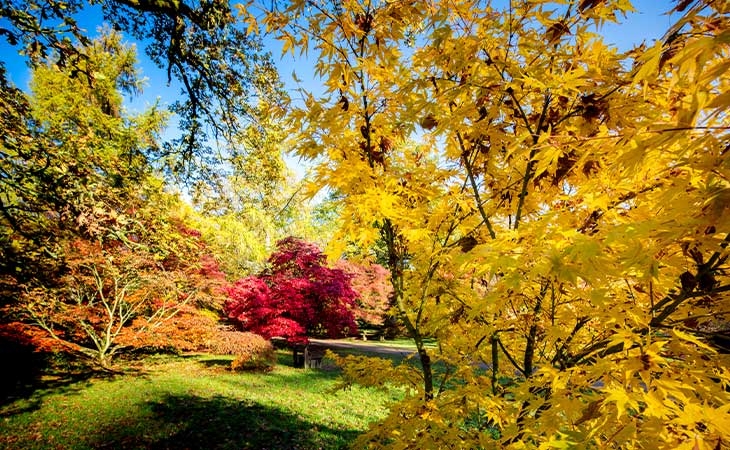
{"points": [[363, 346]]}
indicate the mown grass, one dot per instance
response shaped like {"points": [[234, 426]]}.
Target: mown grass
{"points": [[194, 402]]}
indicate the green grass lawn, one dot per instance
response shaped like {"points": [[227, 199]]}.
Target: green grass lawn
{"points": [[194, 402]]}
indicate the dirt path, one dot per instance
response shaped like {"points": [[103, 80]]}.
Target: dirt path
{"points": [[363, 346]]}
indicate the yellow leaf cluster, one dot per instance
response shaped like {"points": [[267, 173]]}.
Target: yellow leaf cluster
{"points": [[555, 214]]}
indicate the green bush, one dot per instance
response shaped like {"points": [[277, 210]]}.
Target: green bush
{"points": [[252, 351]]}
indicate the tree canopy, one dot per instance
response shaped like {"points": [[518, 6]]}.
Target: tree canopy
{"points": [[73, 163], [225, 77], [93, 252]]}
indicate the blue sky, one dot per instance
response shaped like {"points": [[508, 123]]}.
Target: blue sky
{"points": [[647, 24]]}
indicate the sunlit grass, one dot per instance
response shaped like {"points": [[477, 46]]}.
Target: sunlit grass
{"points": [[195, 402]]}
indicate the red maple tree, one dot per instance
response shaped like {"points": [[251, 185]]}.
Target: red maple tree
{"points": [[297, 296]]}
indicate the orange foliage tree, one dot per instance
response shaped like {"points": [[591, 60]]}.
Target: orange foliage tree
{"points": [[114, 297], [371, 282], [88, 235]]}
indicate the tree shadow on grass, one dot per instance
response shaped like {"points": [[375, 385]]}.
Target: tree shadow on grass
{"points": [[307, 379], [28, 376], [301, 377], [284, 358], [188, 422]]}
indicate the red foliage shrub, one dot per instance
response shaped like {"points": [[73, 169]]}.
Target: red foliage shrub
{"points": [[296, 257]]}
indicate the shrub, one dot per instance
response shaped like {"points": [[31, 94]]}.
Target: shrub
{"points": [[252, 351]]}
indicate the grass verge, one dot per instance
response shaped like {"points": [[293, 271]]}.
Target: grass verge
{"points": [[195, 402]]}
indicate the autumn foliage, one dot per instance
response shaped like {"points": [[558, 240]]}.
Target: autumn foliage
{"points": [[297, 296], [371, 282], [116, 295], [93, 255], [113, 297], [252, 352], [554, 211]]}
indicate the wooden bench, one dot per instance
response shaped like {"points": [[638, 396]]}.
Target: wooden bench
{"points": [[308, 356], [372, 334]]}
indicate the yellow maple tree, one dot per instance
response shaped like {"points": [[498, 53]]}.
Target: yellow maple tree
{"points": [[555, 213]]}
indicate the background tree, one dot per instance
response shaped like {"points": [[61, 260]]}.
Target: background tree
{"points": [[221, 71], [533, 200], [371, 282], [74, 164], [88, 233], [257, 203], [297, 296]]}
